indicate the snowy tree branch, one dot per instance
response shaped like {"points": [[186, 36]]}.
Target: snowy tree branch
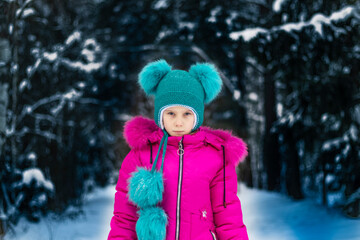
{"points": [[255, 117], [10, 207], [258, 3], [29, 109], [317, 21], [45, 134], [20, 11], [251, 62]]}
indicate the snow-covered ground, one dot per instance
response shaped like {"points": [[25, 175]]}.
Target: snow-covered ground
{"points": [[267, 216], [270, 215]]}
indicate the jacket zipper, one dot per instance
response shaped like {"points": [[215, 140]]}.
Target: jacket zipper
{"points": [[181, 157], [213, 235]]}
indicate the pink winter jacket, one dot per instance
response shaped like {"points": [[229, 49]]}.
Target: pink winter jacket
{"points": [[203, 184]]}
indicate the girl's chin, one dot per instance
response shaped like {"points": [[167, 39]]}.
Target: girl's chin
{"points": [[178, 133]]}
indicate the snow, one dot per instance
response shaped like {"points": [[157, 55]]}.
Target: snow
{"points": [[213, 14], [277, 5], [161, 4], [14, 67], [237, 94], [353, 132], [292, 26], [123, 117], [354, 196], [26, 13], [50, 56], [92, 43], [89, 67], [336, 125], [317, 21], [342, 14], [11, 28], [72, 94], [329, 178], [94, 224], [32, 156], [324, 117], [92, 141], [329, 144], [24, 83], [247, 34], [90, 49], [253, 97], [10, 131], [346, 70], [31, 69], [228, 114], [189, 25], [267, 215], [346, 150], [35, 174], [73, 37], [279, 109], [335, 198], [29, 109], [233, 15], [81, 84]]}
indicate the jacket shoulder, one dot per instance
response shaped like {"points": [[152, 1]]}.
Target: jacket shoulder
{"points": [[139, 131], [235, 148]]}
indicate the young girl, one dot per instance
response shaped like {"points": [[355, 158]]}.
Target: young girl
{"points": [[179, 180]]}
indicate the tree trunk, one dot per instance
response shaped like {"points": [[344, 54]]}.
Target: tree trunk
{"points": [[271, 155], [323, 182], [292, 174], [5, 55], [2, 230], [4, 99], [245, 168], [15, 78]]}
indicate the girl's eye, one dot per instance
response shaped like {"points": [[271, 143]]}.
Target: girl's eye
{"points": [[170, 113], [188, 113]]}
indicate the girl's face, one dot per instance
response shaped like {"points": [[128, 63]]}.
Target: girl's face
{"points": [[178, 120]]}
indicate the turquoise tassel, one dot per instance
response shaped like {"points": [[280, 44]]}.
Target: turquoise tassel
{"points": [[146, 189]]}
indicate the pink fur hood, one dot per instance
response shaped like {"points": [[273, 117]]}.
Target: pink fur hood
{"points": [[139, 131]]}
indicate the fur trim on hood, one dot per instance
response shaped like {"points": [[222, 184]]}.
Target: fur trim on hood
{"points": [[139, 131]]}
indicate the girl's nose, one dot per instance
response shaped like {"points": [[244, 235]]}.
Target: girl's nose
{"points": [[178, 122]]}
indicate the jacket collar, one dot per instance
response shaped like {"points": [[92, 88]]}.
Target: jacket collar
{"points": [[139, 131]]}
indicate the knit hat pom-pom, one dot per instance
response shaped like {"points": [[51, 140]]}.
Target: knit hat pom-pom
{"points": [[151, 224], [146, 187], [152, 74], [209, 78]]}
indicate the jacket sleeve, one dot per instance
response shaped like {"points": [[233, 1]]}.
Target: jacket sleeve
{"points": [[124, 219], [228, 220]]}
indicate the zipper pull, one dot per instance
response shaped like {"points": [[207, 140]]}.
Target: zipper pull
{"points": [[180, 151]]}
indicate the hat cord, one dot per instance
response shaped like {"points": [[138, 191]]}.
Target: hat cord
{"points": [[163, 144]]}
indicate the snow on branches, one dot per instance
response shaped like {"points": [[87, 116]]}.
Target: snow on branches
{"points": [[317, 22]]}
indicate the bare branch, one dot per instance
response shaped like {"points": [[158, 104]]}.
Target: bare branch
{"points": [[226, 80]]}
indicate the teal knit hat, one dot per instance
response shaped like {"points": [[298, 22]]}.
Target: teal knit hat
{"points": [[192, 89]]}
